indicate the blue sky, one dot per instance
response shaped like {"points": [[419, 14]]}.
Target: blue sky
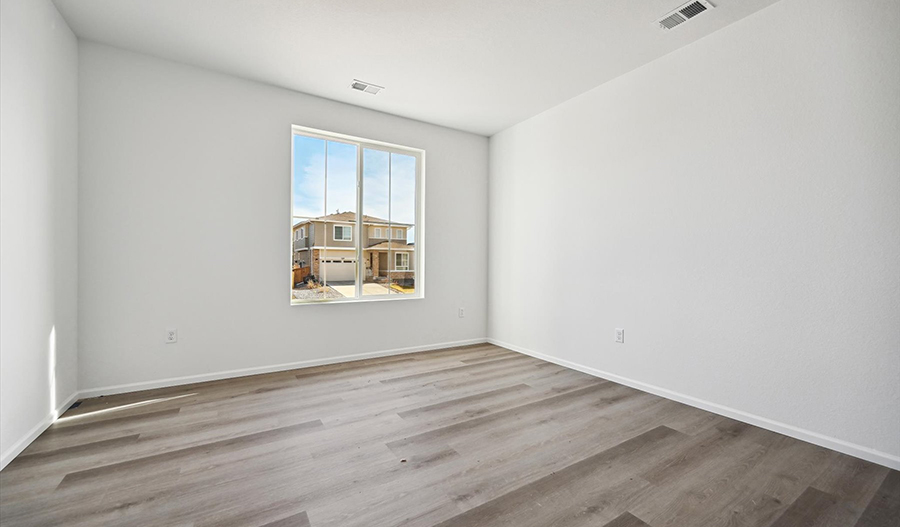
{"points": [[389, 181]]}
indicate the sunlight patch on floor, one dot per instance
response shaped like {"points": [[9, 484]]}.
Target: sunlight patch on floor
{"points": [[104, 411]]}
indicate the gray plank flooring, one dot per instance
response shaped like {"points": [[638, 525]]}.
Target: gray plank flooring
{"points": [[470, 436]]}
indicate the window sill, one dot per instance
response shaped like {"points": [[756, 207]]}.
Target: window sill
{"points": [[396, 298]]}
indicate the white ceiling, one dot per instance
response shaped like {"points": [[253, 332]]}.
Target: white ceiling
{"points": [[475, 65]]}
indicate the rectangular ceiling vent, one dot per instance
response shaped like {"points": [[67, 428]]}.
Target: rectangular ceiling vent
{"points": [[684, 13], [366, 87]]}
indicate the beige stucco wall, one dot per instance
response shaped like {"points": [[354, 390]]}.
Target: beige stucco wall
{"points": [[372, 239], [338, 253], [328, 233], [318, 231], [302, 242], [301, 257]]}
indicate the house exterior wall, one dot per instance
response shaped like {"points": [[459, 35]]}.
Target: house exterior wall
{"points": [[300, 244], [331, 253], [317, 232], [373, 265], [382, 266], [328, 229], [372, 239], [412, 259], [301, 257], [304, 242], [321, 234], [388, 262]]}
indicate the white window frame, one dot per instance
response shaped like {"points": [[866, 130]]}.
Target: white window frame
{"points": [[419, 236], [377, 232], [404, 267], [334, 233], [302, 232]]}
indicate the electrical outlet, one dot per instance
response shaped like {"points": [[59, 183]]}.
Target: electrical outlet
{"points": [[171, 336], [462, 313], [620, 335]]}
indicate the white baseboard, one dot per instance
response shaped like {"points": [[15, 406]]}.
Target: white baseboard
{"points": [[33, 434], [190, 379], [875, 456]]}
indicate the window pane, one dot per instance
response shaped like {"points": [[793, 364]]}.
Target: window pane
{"points": [[324, 192], [309, 176], [308, 201], [403, 220], [375, 183], [303, 286], [341, 168], [338, 271], [376, 202]]}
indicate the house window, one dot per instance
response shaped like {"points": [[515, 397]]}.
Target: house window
{"points": [[348, 183], [343, 233]]}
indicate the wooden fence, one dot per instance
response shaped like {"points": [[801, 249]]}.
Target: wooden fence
{"points": [[300, 273]]}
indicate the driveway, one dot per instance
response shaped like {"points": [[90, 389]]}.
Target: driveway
{"points": [[349, 288]]}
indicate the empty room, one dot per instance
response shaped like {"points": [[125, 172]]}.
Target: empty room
{"points": [[450, 263]]}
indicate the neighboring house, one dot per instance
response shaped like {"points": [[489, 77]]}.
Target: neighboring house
{"points": [[326, 246]]}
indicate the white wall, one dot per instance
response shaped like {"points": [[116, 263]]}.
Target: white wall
{"points": [[185, 222], [38, 217], [735, 206]]}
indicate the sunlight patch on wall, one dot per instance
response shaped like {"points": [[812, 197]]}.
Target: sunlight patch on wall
{"points": [[51, 348]]}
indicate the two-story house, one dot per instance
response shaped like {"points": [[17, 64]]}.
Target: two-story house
{"points": [[326, 246]]}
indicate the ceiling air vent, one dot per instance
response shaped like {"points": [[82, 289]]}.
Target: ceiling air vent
{"points": [[366, 87], [684, 13]]}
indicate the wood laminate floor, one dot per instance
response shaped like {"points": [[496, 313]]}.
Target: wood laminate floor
{"points": [[473, 436]]}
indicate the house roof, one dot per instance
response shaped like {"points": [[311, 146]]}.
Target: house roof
{"points": [[350, 216]]}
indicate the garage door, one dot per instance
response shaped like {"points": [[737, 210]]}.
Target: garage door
{"points": [[337, 270]]}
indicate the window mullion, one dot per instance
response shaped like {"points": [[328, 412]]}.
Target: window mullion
{"points": [[360, 264], [323, 267], [390, 238]]}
